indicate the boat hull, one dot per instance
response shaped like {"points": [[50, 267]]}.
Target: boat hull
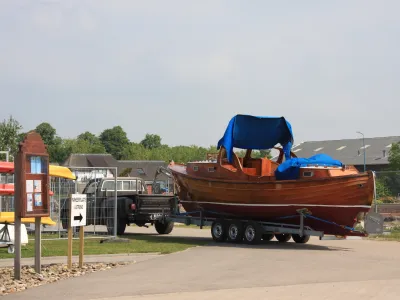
{"points": [[336, 199]]}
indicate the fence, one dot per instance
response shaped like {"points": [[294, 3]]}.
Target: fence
{"points": [[387, 197], [99, 185]]}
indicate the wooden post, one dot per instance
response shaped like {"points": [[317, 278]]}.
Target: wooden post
{"points": [[17, 245], [69, 259], [77, 218], [81, 245], [38, 245]]}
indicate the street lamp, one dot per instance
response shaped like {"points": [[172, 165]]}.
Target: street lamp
{"points": [[363, 147]]}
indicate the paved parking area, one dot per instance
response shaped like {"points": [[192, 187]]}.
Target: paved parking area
{"points": [[356, 269]]}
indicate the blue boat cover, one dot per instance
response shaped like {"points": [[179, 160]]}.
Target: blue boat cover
{"points": [[290, 169], [259, 133]]}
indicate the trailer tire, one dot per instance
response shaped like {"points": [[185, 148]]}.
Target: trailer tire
{"points": [[235, 232], [300, 239], [252, 233], [267, 236], [164, 228], [218, 231], [283, 237]]}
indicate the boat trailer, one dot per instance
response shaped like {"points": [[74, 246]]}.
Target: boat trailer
{"points": [[231, 229]]}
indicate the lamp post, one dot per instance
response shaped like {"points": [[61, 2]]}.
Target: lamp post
{"points": [[363, 147]]}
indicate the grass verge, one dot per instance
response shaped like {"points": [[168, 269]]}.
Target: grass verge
{"points": [[137, 243], [393, 236]]}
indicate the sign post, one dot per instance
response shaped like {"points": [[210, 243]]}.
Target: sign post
{"points": [[77, 218], [31, 192]]}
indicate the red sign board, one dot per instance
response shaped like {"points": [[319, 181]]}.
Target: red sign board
{"points": [[32, 177]]}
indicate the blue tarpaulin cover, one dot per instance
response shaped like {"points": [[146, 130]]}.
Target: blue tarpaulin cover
{"points": [[290, 169], [252, 132]]}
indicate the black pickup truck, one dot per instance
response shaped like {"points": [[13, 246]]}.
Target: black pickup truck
{"points": [[134, 205]]}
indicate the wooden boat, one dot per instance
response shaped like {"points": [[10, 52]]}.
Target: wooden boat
{"points": [[265, 190]]}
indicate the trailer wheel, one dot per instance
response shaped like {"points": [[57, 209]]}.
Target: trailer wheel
{"points": [[164, 228], [235, 232], [218, 231], [300, 239], [267, 236], [283, 237], [252, 233]]}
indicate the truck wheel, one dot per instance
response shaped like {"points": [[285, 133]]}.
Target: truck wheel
{"points": [[164, 228], [121, 226]]}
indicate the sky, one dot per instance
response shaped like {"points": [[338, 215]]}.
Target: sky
{"points": [[183, 69]]}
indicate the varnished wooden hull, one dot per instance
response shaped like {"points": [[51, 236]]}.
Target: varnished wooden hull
{"points": [[336, 199]]}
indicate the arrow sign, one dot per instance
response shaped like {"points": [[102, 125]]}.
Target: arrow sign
{"points": [[77, 210], [76, 218]]}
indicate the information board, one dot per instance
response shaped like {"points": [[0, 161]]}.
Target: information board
{"points": [[32, 177]]}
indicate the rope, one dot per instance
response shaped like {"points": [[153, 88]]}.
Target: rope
{"points": [[330, 222]]}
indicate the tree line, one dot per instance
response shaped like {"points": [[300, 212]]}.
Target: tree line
{"points": [[113, 141]]}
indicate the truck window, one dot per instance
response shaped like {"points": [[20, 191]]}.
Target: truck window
{"points": [[110, 184], [91, 189], [130, 185]]}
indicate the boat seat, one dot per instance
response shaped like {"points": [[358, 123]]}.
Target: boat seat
{"points": [[260, 167], [225, 164]]}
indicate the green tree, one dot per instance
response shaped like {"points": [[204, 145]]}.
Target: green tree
{"points": [[394, 157], [9, 136], [151, 141], [388, 183], [115, 141], [265, 153], [254, 153], [90, 143], [383, 193], [83, 146], [53, 142], [88, 136], [135, 151], [48, 133]]}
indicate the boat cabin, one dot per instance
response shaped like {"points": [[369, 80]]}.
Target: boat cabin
{"points": [[248, 168]]}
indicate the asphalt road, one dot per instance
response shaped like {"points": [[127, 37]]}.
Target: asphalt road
{"points": [[356, 269]]}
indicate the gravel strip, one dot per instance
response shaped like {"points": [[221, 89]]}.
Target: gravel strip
{"points": [[50, 273]]}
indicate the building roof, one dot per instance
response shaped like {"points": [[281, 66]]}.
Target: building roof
{"points": [[350, 151], [80, 160], [145, 169]]}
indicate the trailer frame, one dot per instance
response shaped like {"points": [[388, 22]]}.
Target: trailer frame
{"points": [[237, 230]]}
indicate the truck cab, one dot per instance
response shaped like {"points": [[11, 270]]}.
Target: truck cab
{"points": [[135, 205], [105, 187]]}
